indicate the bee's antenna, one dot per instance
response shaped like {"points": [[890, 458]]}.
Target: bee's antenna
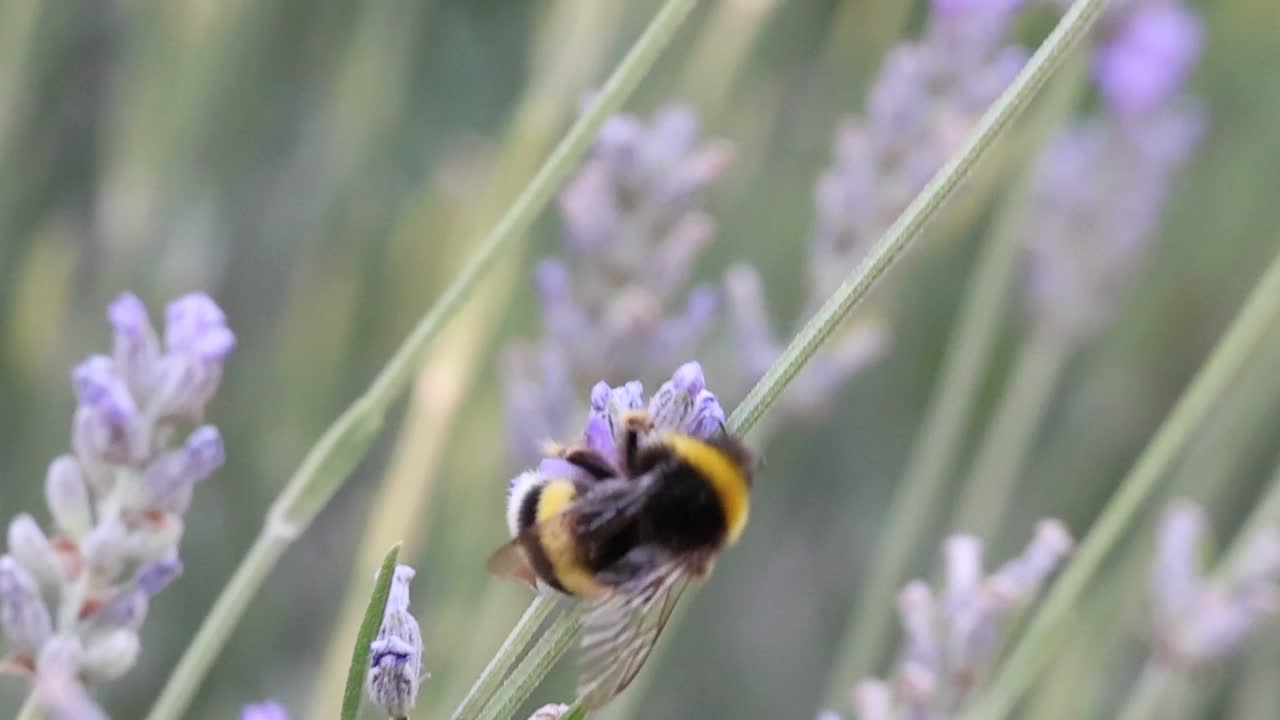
{"points": [[723, 429]]}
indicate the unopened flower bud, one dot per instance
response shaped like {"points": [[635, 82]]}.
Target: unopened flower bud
{"points": [[267, 710], [23, 614], [68, 496], [395, 655], [29, 546], [109, 655]]}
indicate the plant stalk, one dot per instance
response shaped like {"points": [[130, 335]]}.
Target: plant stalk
{"points": [[1003, 451], [1258, 316]]}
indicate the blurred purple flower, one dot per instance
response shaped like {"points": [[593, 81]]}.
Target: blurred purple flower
{"points": [[265, 710], [1145, 61], [117, 502], [949, 638], [1201, 620], [1102, 185], [682, 404], [618, 303]]}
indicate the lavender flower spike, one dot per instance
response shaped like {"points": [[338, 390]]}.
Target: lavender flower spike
{"points": [[1201, 620], [117, 503], [395, 655], [949, 638]]}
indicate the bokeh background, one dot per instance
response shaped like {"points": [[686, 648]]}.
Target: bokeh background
{"points": [[323, 168]]}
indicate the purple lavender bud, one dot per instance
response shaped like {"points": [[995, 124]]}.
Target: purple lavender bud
{"points": [[707, 419], [198, 342], [108, 428], [126, 609], [671, 407], [599, 436], [1175, 576], [155, 576], [108, 655], [23, 615], [170, 478], [266, 710], [29, 546], [916, 613], [67, 495], [395, 655], [136, 349], [195, 325], [1147, 60]]}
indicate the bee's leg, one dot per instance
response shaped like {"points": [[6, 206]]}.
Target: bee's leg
{"points": [[591, 461], [635, 423]]}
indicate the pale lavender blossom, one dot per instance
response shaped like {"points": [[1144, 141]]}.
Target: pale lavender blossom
{"points": [[72, 600], [265, 710], [618, 304], [950, 637], [1198, 619], [926, 98], [552, 711], [1102, 185], [395, 655], [682, 404]]}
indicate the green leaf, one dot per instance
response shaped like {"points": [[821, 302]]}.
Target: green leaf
{"points": [[368, 630]]}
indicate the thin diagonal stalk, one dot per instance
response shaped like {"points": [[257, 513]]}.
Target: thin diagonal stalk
{"points": [[1003, 451], [534, 667], [1259, 315], [969, 349], [854, 289], [507, 654], [328, 463]]}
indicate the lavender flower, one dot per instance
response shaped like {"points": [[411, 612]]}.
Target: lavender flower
{"points": [[619, 304], [949, 638], [926, 99], [1200, 620], [682, 404], [395, 655], [265, 710], [72, 601], [1102, 185]]}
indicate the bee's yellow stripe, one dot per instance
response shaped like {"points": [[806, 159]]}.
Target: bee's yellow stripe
{"points": [[725, 477], [558, 543]]}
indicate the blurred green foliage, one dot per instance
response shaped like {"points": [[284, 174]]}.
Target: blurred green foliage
{"points": [[267, 151]]}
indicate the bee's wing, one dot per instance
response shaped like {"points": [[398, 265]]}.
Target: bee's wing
{"points": [[509, 561], [619, 631]]}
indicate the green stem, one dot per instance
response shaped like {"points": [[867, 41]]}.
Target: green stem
{"points": [[1258, 316], [329, 462], [1032, 77], [30, 709], [968, 353], [1004, 449], [508, 652], [534, 667], [1147, 696], [369, 627]]}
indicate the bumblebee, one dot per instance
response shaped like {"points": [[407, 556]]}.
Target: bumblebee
{"points": [[627, 537]]}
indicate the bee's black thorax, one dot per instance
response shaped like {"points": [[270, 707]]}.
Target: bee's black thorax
{"points": [[683, 514]]}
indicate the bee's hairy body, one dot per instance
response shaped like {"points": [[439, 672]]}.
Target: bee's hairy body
{"points": [[696, 504]]}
